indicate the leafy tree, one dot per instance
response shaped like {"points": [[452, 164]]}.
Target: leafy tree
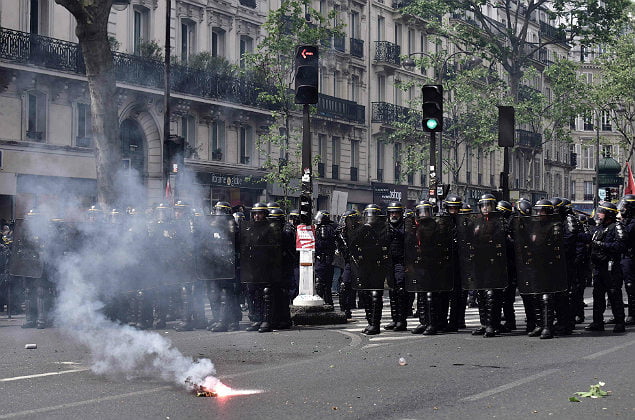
{"points": [[294, 23], [92, 32]]}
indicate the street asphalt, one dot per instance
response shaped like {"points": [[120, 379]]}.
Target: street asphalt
{"points": [[330, 372]]}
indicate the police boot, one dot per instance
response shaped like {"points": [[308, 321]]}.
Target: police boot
{"points": [[529, 313], [392, 298], [213, 295], [422, 310], [547, 316], [630, 297], [41, 322], [402, 302], [30, 308], [255, 309], [344, 298], [282, 310], [267, 312], [509, 296], [492, 314], [617, 307], [224, 314], [482, 312], [433, 314], [186, 309], [536, 305], [377, 306], [563, 325], [454, 313]]}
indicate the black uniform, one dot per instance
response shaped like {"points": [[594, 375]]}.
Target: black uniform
{"points": [[324, 254]]}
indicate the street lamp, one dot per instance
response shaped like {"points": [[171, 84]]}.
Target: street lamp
{"points": [[439, 73]]}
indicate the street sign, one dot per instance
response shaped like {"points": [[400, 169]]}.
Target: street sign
{"points": [[602, 194], [305, 238]]}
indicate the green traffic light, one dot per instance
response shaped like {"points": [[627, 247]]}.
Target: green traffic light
{"points": [[432, 123]]}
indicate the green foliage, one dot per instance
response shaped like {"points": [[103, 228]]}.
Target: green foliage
{"points": [[209, 63], [114, 43], [151, 49], [595, 391]]}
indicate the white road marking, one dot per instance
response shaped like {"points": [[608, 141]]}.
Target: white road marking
{"points": [[607, 351], [39, 375], [81, 403], [508, 386]]}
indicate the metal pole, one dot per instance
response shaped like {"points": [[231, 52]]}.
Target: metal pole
{"points": [[166, 86], [505, 174], [596, 197], [433, 176]]}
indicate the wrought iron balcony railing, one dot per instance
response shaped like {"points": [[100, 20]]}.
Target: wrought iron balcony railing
{"points": [[384, 112], [529, 139], [330, 106], [552, 32], [387, 52], [339, 43], [22, 47], [357, 48]]}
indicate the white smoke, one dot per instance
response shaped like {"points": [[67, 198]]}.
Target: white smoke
{"points": [[101, 265]]}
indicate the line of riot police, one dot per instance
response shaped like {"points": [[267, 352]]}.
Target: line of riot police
{"points": [[541, 250]]}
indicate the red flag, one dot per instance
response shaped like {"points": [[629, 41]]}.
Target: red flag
{"points": [[630, 182], [168, 190]]}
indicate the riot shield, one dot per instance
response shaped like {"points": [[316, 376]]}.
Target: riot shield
{"points": [[429, 265], [215, 255], [260, 253], [538, 242], [182, 258], [482, 251], [370, 259], [26, 258]]}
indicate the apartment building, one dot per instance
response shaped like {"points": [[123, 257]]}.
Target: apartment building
{"points": [[47, 150]]}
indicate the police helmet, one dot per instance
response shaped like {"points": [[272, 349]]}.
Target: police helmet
{"points": [[453, 200], [504, 207], [162, 213], [372, 213], [424, 209], [608, 209], [94, 214], [222, 207], [408, 213], [558, 205], [566, 205], [394, 206], [524, 207], [627, 205], [322, 217], [350, 217], [114, 216], [543, 206], [276, 215], [273, 205], [239, 216], [181, 209], [487, 203], [260, 208], [465, 209]]}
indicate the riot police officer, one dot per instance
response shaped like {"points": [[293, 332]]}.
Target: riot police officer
{"points": [[458, 297], [397, 295], [607, 246], [627, 210], [281, 318], [324, 254], [509, 292], [348, 225]]}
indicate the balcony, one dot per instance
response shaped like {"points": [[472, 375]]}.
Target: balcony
{"points": [[84, 142], [248, 3], [339, 43], [354, 174], [607, 127], [528, 139], [357, 48], [335, 171], [22, 47], [552, 32], [321, 170], [386, 113], [217, 154], [398, 4], [387, 52], [342, 109], [588, 126]]}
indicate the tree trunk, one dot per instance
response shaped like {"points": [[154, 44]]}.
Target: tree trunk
{"points": [[92, 32]]}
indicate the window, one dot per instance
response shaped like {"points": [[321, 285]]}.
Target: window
{"points": [[284, 144], [218, 42], [188, 38], [398, 33], [246, 46], [411, 41], [39, 17], [217, 140], [380, 160], [246, 145], [397, 161], [354, 25], [355, 153], [141, 30], [606, 121], [188, 131], [492, 168], [336, 84], [381, 88], [335, 150], [84, 126], [354, 88], [322, 147], [398, 92], [607, 150], [588, 190], [36, 116], [572, 190], [588, 157], [381, 28], [588, 121]]}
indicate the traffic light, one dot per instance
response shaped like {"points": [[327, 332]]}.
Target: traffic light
{"points": [[306, 74], [432, 108], [305, 210], [506, 126]]}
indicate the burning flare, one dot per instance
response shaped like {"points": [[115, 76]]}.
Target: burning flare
{"points": [[213, 387]]}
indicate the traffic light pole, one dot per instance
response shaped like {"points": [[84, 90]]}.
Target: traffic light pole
{"points": [[504, 181], [306, 291], [432, 189]]}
